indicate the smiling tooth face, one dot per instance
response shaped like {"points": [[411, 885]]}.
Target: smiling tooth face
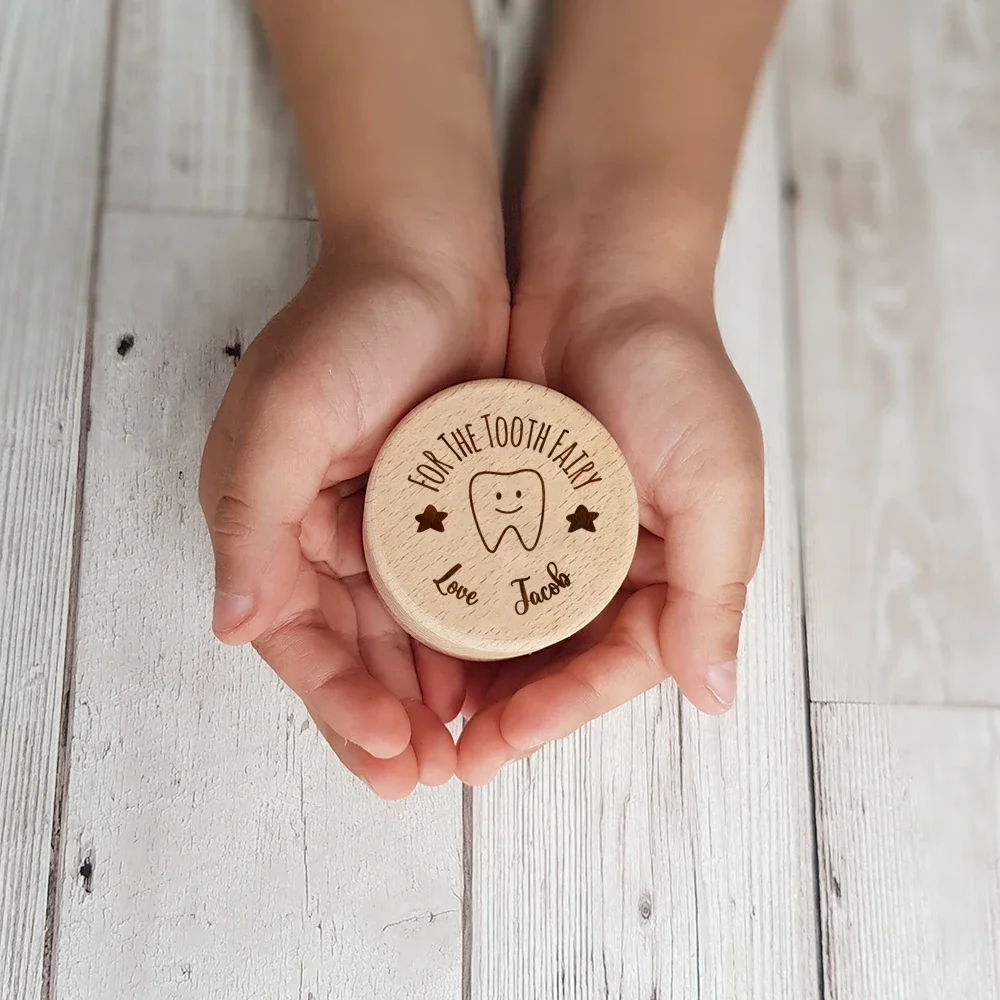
{"points": [[508, 502]]}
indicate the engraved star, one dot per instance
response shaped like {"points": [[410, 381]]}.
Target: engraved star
{"points": [[433, 519], [582, 518]]}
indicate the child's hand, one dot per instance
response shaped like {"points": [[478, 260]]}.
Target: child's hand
{"points": [[631, 162], [630, 334], [310, 403]]}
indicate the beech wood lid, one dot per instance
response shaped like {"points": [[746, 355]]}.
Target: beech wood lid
{"points": [[500, 517]]}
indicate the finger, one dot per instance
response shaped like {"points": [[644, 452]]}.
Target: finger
{"points": [[648, 566], [323, 667], [482, 749], [214, 462], [385, 648], [623, 664], [511, 675], [387, 652], [331, 534], [389, 779], [314, 663], [442, 682], [711, 550], [508, 677], [276, 467], [432, 743], [349, 487], [514, 674], [479, 680]]}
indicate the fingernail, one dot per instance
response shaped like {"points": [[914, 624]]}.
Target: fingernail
{"points": [[721, 681], [230, 610]]}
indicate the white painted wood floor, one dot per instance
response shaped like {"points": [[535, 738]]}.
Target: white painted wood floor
{"points": [[171, 826]]}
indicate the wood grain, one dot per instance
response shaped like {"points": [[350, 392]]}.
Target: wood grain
{"points": [[199, 123], [895, 127], [658, 853], [465, 524], [214, 847], [51, 84], [909, 831]]}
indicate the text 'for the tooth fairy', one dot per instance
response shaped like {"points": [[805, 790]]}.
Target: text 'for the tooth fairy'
{"points": [[500, 517]]}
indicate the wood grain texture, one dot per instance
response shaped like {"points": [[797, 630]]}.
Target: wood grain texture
{"points": [[895, 127], [51, 83], [500, 518], [658, 853], [909, 831], [199, 121], [214, 847]]}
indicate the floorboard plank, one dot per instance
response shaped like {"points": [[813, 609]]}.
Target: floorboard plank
{"points": [[199, 121], [52, 57], [225, 851], [909, 831], [895, 128]]}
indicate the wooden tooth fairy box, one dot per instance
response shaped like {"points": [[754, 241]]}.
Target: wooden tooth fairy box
{"points": [[500, 517]]}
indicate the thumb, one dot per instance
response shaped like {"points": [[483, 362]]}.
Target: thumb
{"points": [[276, 468], [711, 552]]}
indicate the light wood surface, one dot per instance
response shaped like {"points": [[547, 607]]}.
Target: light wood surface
{"points": [[199, 123], [228, 854], [51, 88], [208, 844], [500, 518], [909, 809], [659, 853], [895, 128]]}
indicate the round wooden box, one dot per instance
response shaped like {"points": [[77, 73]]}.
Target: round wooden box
{"points": [[500, 517]]}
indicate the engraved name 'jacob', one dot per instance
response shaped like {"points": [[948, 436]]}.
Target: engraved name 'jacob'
{"points": [[529, 598], [507, 433]]}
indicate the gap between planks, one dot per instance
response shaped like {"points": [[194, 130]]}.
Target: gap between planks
{"points": [[53, 896], [796, 439]]}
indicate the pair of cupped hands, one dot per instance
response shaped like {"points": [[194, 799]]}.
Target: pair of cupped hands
{"points": [[608, 308]]}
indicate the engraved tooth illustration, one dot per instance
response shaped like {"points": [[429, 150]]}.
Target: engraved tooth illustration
{"points": [[508, 501]]}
